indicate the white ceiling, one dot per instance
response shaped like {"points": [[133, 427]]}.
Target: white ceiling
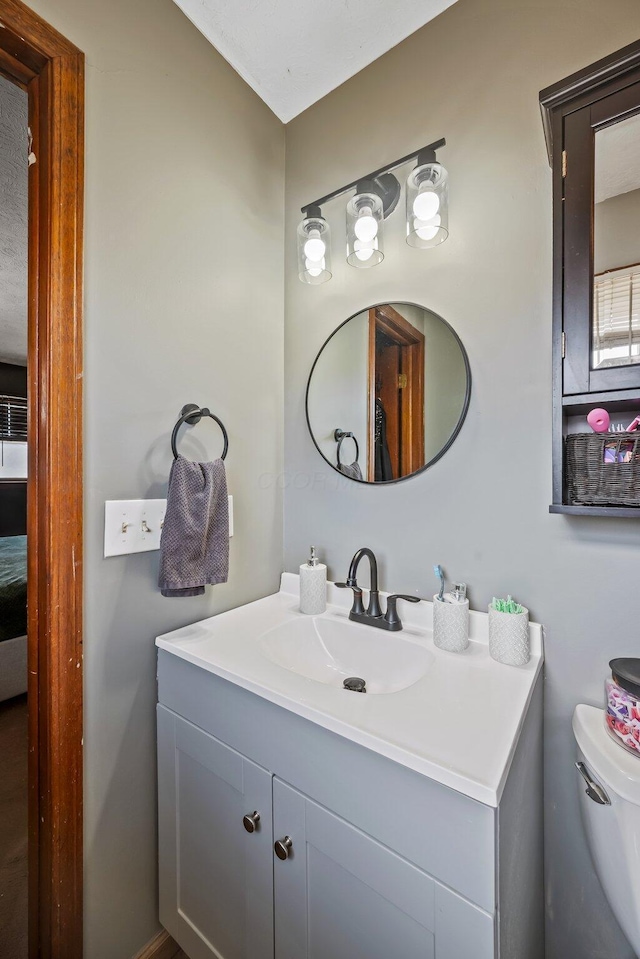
{"points": [[13, 223], [294, 52], [617, 153]]}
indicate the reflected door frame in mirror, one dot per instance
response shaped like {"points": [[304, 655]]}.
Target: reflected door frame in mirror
{"points": [[573, 111], [407, 359]]}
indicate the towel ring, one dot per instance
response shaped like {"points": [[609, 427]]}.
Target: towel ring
{"points": [[339, 436], [192, 414]]}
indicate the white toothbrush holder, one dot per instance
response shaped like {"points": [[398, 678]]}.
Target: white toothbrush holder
{"points": [[509, 637], [451, 625]]}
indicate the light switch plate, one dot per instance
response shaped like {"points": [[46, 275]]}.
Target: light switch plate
{"points": [[134, 526]]}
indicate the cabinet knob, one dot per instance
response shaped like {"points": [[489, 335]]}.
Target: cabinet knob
{"points": [[251, 820], [283, 847]]}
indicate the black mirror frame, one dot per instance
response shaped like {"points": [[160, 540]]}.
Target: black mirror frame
{"points": [[461, 418]]}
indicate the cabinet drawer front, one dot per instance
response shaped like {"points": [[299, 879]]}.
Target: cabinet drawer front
{"points": [[216, 879], [343, 895]]}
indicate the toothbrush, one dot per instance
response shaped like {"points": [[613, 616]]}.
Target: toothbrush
{"points": [[440, 575]]}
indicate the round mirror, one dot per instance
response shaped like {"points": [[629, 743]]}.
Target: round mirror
{"points": [[388, 393]]}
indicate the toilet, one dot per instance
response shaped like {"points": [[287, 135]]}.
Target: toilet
{"points": [[609, 783]]}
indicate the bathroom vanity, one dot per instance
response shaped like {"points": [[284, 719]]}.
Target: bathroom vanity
{"points": [[302, 820]]}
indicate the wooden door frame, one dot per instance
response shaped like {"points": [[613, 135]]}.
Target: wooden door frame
{"points": [[51, 70], [391, 322]]}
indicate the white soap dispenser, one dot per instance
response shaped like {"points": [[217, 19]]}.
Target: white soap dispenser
{"points": [[313, 586]]}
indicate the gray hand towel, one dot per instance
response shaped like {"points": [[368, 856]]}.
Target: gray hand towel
{"points": [[353, 470], [194, 545]]}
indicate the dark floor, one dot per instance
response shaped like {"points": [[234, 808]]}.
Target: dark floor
{"points": [[13, 828]]}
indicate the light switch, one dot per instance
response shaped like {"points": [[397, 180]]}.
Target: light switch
{"points": [[134, 526]]}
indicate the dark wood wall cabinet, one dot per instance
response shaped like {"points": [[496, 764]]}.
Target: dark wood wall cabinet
{"points": [[592, 128]]}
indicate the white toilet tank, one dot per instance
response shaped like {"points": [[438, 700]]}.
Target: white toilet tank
{"points": [[610, 810]]}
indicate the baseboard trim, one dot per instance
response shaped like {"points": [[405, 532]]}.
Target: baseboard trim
{"points": [[161, 946]]}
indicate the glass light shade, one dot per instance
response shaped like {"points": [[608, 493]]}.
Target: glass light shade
{"points": [[364, 230], [314, 250], [427, 205]]}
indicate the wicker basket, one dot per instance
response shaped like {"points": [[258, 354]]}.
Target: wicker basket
{"points": [[591, 481]]}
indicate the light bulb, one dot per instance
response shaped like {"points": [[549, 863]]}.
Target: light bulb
{"points": [[363, 251], [314, 267], [426, 205], [366, 226], [314, 248], [427, 229]]}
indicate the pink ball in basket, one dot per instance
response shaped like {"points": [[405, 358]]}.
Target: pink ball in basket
{"points": [[599, 420]]}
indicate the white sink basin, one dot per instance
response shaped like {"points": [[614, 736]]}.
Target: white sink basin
{"points": [[331, 651]]}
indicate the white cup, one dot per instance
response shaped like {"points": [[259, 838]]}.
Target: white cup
{"points": [[451, 625], [509, 637]]}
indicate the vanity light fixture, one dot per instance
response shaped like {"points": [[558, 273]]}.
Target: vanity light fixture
{"points": [[427, 202], [376, 197], [314, 247]]}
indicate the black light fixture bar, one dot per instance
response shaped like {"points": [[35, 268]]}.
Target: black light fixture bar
{"points": [[430, 147]]}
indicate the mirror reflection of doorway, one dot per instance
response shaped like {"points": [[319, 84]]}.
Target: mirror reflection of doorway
{"points": [[396, 396]]}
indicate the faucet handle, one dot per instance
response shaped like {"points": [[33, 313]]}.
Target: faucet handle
{"points": [[391, 615], [357, 596]]}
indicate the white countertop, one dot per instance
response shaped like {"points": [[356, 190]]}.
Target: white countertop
{"points": [[459, 724]]}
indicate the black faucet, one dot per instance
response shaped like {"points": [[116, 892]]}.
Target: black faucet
{"points": [[372, 616]]}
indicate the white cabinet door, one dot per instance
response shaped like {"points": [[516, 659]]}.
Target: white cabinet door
{"points": [[340, 894], [216, 878]]}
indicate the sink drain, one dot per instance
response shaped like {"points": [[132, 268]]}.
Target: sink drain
{"points": [[355, 684]]}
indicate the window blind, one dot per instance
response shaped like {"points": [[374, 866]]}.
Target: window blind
{"points": [[616, 311], [13, 418]]}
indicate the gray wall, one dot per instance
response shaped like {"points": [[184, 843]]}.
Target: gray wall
{"points": [[473, 76], [184, 303]]}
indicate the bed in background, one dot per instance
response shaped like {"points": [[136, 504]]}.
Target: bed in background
{"points": [[13, 529], [13, 616]]}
